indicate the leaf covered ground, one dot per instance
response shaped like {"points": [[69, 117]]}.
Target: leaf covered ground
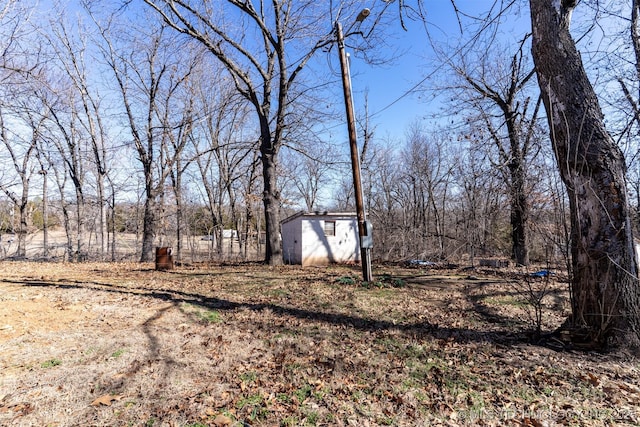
{"points": [[237, 345]]}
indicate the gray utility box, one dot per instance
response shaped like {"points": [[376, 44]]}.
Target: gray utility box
{"points": [[366, 242]]}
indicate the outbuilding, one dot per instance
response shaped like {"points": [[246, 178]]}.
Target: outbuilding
{"points": [[320, 238]]}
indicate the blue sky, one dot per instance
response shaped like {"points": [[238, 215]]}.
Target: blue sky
{"points": [[387, 86], [392, 105], [393, 109]]}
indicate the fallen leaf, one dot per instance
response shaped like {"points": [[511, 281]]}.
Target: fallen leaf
{"points": [[531, 422], [21, 408], [594, 380], [222, 420], [106, 400], [629, 387]]}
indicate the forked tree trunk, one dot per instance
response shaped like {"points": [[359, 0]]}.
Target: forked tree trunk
{"points": [[606, 295]]}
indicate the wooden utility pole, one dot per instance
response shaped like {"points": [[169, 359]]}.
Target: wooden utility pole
{"points": [[365, 254]]}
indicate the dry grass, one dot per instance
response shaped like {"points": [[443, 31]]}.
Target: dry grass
{"points": [[195, 249], [122, 344]]}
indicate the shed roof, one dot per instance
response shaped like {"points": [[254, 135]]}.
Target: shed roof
{"points": [[318, 214]]}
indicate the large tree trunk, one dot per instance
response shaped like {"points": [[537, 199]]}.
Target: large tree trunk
{"points": [[149, 228], [271, 200], [519, 213], [606, 296]]}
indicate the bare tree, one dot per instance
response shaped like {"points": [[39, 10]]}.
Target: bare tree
{"points": [[221, 148], [307, 173], [428, 175], [45, 205], [496, 89], [606, 295], [480, 201], [149, 75], [174, 149], [19, 124], [58, 169], [71, 58], [264, 69], [65, 136], [383, 172], [627, 75], [22, 149]]}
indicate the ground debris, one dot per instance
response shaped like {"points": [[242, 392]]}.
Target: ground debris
{"points": [[243, 345]]}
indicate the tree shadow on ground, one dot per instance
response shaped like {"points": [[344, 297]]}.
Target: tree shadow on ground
{"points": [[418, 330]]}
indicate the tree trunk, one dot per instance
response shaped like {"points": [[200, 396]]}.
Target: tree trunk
{"points": [[22, 228], [45, 216], [271, 200], [606, 296], [148, 229], [519, 214], [103, 234], [60, 179], [80, 223], [179, 236], [176, 181], [113, 221]]}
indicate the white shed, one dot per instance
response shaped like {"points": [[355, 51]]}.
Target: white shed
{"points": [[320, 238]]}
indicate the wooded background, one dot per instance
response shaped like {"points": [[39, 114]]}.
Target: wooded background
{"points": [[112, 123]]}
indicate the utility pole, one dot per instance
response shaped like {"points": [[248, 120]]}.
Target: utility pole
{"points": [[365, 238]]}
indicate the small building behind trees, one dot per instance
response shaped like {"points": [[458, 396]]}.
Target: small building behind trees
{"points": [[320, 238]]}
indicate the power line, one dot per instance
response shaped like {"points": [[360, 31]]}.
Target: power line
{"points": [[449, 58]]}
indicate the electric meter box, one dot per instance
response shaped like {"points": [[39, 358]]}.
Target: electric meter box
{"points": [[366, 242]]}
